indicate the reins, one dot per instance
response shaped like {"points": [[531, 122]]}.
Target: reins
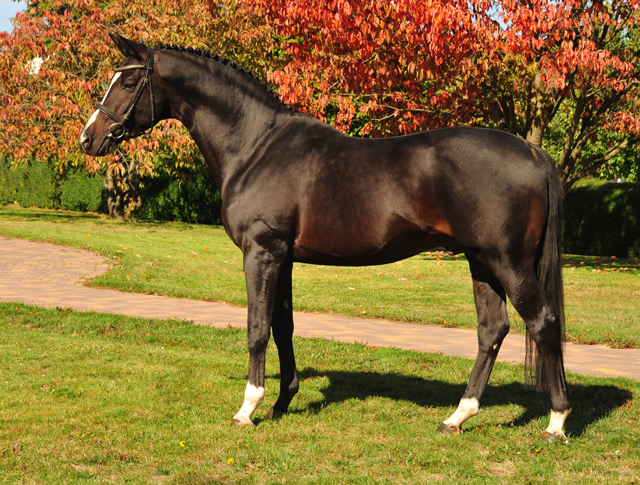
{"points": [[118, 130]]}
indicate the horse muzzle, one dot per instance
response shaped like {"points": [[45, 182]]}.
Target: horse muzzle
{"points": [[95, 147]]}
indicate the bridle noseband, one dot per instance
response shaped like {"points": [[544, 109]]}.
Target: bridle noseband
{"points": [[118, 130]]}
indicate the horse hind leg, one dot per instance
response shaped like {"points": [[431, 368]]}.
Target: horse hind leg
{"points": [[493, 326], [545, 328]]}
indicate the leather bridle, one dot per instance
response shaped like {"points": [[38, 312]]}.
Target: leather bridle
{"points": [[118, 130]]}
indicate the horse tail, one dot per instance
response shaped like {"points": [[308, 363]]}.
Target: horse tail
{"points": [[548, 267]]}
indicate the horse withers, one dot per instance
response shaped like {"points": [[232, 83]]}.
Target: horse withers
{"points": [[296, 189]]}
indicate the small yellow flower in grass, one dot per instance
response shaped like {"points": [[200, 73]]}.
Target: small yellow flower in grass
{"points": [[230, 461], [183, 444]]}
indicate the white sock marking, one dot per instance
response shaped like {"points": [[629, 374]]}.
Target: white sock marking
{"points": [[556, 423], [468, 407], [253, 397]]}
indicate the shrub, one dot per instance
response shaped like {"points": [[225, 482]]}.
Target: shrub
{"points": [[191, 195], [38, 184], [602, 219]]}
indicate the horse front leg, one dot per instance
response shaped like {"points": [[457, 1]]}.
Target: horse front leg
{"points": [[282, 328], [262, 267], [493, 326]]}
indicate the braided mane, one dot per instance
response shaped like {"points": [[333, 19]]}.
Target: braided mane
{"points": [[224, 61]]}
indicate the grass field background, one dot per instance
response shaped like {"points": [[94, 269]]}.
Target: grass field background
{"points": [[90, 398], [200, 262]]}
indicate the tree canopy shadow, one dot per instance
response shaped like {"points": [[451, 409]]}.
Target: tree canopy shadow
{"points": [[590, 402]]}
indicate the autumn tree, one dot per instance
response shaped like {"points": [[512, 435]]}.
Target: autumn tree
{"points": [[565, 75], [389, 67], [57, 64], [560, 74]]}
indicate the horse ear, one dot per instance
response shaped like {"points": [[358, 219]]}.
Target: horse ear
{"points": [[129, 47]]}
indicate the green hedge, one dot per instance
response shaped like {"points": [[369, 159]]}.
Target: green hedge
{"points": [[602, 219], [37, 184], [193, 198]]}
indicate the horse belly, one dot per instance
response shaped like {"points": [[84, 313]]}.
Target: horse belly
{"points": [[367, 240]]}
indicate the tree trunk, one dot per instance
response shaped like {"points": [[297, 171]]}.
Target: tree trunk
{"points": [[544, 101], [123, 197]]}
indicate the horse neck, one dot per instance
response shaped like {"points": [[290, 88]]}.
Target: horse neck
{"points": [[226, 110]]}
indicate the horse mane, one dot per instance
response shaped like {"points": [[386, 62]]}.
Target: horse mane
{"points": [[225, 62]]}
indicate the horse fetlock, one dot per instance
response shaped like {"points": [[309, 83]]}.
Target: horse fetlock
{"points": [[468, 407], [275, 413], [294, 387]]}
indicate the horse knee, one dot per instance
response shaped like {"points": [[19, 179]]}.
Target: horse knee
{"points": [[502, 329], [258, 345]]}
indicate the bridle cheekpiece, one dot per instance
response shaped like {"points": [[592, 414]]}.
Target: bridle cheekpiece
{"points": [[118, 130]]}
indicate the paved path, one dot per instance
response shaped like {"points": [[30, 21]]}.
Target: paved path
{"points": [[53, 276]]}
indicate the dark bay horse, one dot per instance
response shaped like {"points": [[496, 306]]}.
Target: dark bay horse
{"points": [[295, 189]]}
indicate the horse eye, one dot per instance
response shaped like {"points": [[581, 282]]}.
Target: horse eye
{"points": [[129, 85]]}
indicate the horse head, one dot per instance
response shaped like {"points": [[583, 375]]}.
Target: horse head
{"points": [[129, 108]]}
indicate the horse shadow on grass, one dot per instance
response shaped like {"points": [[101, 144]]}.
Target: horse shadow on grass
{"points": [[590, 402]]}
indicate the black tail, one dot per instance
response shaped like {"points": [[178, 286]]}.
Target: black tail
{"points": [[548, 270]]}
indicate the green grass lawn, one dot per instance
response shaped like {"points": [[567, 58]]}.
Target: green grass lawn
{"points": [[90, 398], [200, 262]]}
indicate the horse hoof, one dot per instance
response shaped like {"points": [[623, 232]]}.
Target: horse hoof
{"points": [[274, 413], [241, 422], [550, 437], [449, 429]]}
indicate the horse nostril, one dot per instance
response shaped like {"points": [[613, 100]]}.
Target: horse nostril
{"points": [[85, 142]]}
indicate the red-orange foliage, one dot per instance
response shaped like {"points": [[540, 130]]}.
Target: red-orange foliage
{"points": [[562, 74], [57, 64], [572, 71], [407, 65], [518, 65]]}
